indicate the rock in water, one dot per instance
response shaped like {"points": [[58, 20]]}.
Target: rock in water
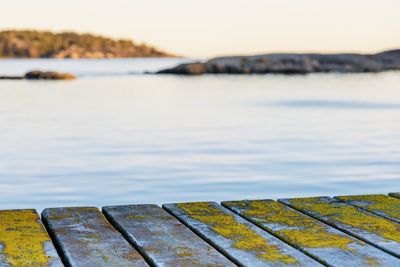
{"points": [[11, 78], [293, 64], [48, 75], [187, 69]]}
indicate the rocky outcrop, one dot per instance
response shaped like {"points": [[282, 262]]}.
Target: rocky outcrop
{"points": [[292, 64], [41, 75]]}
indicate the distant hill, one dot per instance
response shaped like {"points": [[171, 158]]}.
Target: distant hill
{"points": [[41, 44]]}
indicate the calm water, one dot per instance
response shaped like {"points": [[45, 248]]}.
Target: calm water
{"points": [[114, 138]]}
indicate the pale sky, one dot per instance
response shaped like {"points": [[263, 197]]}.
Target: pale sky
{"points": [[205, 28]]}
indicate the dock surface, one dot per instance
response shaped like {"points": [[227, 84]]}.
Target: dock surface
{"points": [[361, 230]]}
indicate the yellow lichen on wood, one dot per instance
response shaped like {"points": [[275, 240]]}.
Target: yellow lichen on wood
{"points": [[301, 230], [350, 215], [136, 217], [243, 237], [377, 203], [372, 262], [184, 252], [23, 238]]}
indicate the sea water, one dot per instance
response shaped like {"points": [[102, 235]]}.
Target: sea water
{"points": [[118, 136]]}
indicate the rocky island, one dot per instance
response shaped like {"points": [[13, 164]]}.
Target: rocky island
{"points": [[40, 44], [292, 64]]}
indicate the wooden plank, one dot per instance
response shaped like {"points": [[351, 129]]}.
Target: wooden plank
{"points": [[382, 205], [24, 240], [311, 236], [85, 238], [373, 229], [396, 195], [241, 241], [162, 239]]}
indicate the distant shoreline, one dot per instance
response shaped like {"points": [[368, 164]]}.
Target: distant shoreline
{"points": [[42, 44], [88, 59]]}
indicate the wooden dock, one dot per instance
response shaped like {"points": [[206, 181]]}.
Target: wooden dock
{"points": [[342, 231]]}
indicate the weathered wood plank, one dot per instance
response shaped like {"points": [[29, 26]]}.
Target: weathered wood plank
{"points": [[24, 241], [316, 239], [241, 241], [161, 238], [396, 195], [373, 229], [85, 238], [382, 205]]}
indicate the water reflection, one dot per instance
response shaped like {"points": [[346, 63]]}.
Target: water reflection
{"points": [[335, 104]]}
